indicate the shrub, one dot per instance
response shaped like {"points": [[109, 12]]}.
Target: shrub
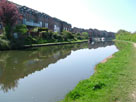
{"points": [[35, 29], [44, 34], [30, 40], [4, 44], [21, 29], [85, 35], [67, 35], [42, 29]]}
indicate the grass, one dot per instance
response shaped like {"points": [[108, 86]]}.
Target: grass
{"points": [[114, 81]]}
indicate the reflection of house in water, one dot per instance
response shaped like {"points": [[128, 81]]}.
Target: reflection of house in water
{"points": [[1, 71], [15, 65], [95, 45], [19, 64]]}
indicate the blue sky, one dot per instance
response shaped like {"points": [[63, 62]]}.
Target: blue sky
{"points": [[110, 15]]}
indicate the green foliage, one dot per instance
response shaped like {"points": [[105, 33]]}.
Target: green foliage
{"points": [[21, 29], [35, 29], [40, 35], [85, 35], [4, 44], [67, 35], [8, 32], [30, 40], [125, 35]]}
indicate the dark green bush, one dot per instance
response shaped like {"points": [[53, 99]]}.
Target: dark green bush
{"points": [[21, 29], [30, 40], [42, 29]]}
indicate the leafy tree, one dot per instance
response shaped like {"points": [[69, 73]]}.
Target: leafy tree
{"points": [[123, 32], [9, 15]]}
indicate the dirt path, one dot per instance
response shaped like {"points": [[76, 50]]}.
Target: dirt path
{"points": [[133, 94], [134, 45]]}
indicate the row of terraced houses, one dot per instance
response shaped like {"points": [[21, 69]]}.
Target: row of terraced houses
{"points": [[33, 18]]}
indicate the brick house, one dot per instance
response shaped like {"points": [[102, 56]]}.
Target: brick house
{"points": [[33, 18], [57, 25], [65, 26]]}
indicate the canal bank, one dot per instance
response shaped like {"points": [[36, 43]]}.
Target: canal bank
{"points": [[8, 47], [56, 43], [114, 81]]}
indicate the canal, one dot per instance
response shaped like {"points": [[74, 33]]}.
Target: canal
{"points": [[47, 74]]}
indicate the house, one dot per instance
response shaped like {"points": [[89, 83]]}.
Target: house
{"points": [[57, 25], [65, 26], [33, 18]]}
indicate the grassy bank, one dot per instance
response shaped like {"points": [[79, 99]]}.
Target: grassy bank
{"points": [[114, 81]]}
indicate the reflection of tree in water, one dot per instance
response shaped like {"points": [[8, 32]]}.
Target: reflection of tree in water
{"points": [[19, 64], [100, 44]]}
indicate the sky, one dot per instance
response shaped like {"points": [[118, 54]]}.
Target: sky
{"points": [[110, 15]]}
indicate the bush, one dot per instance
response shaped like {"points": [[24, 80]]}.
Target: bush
{"points": [[21, 29], [42, 29], [30, 40], [35, 29], [85, 35], [67, 35], [4, 44], [44, 34]]}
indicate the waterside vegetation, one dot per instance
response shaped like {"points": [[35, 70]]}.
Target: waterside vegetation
{"points": [[16, 35], [125, 35], [24, 37]]}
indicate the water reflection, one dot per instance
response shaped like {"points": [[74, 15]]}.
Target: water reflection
{"points": [[15, 65]]}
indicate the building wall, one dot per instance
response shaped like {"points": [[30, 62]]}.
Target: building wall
{"points": [[37, 19], [66, 26]]}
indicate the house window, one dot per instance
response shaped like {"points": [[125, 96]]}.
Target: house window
{"points": [[0, 26], [56, 29], [46, 25]]}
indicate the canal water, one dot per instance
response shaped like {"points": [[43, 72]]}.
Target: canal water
{"points": [[47, 74]]}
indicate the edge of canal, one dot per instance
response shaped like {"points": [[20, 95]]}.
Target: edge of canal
{"points": [[52, 44]]}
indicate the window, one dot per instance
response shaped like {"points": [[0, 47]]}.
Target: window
{"points": [[56, 28], [0, 26], [46, 25]]}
